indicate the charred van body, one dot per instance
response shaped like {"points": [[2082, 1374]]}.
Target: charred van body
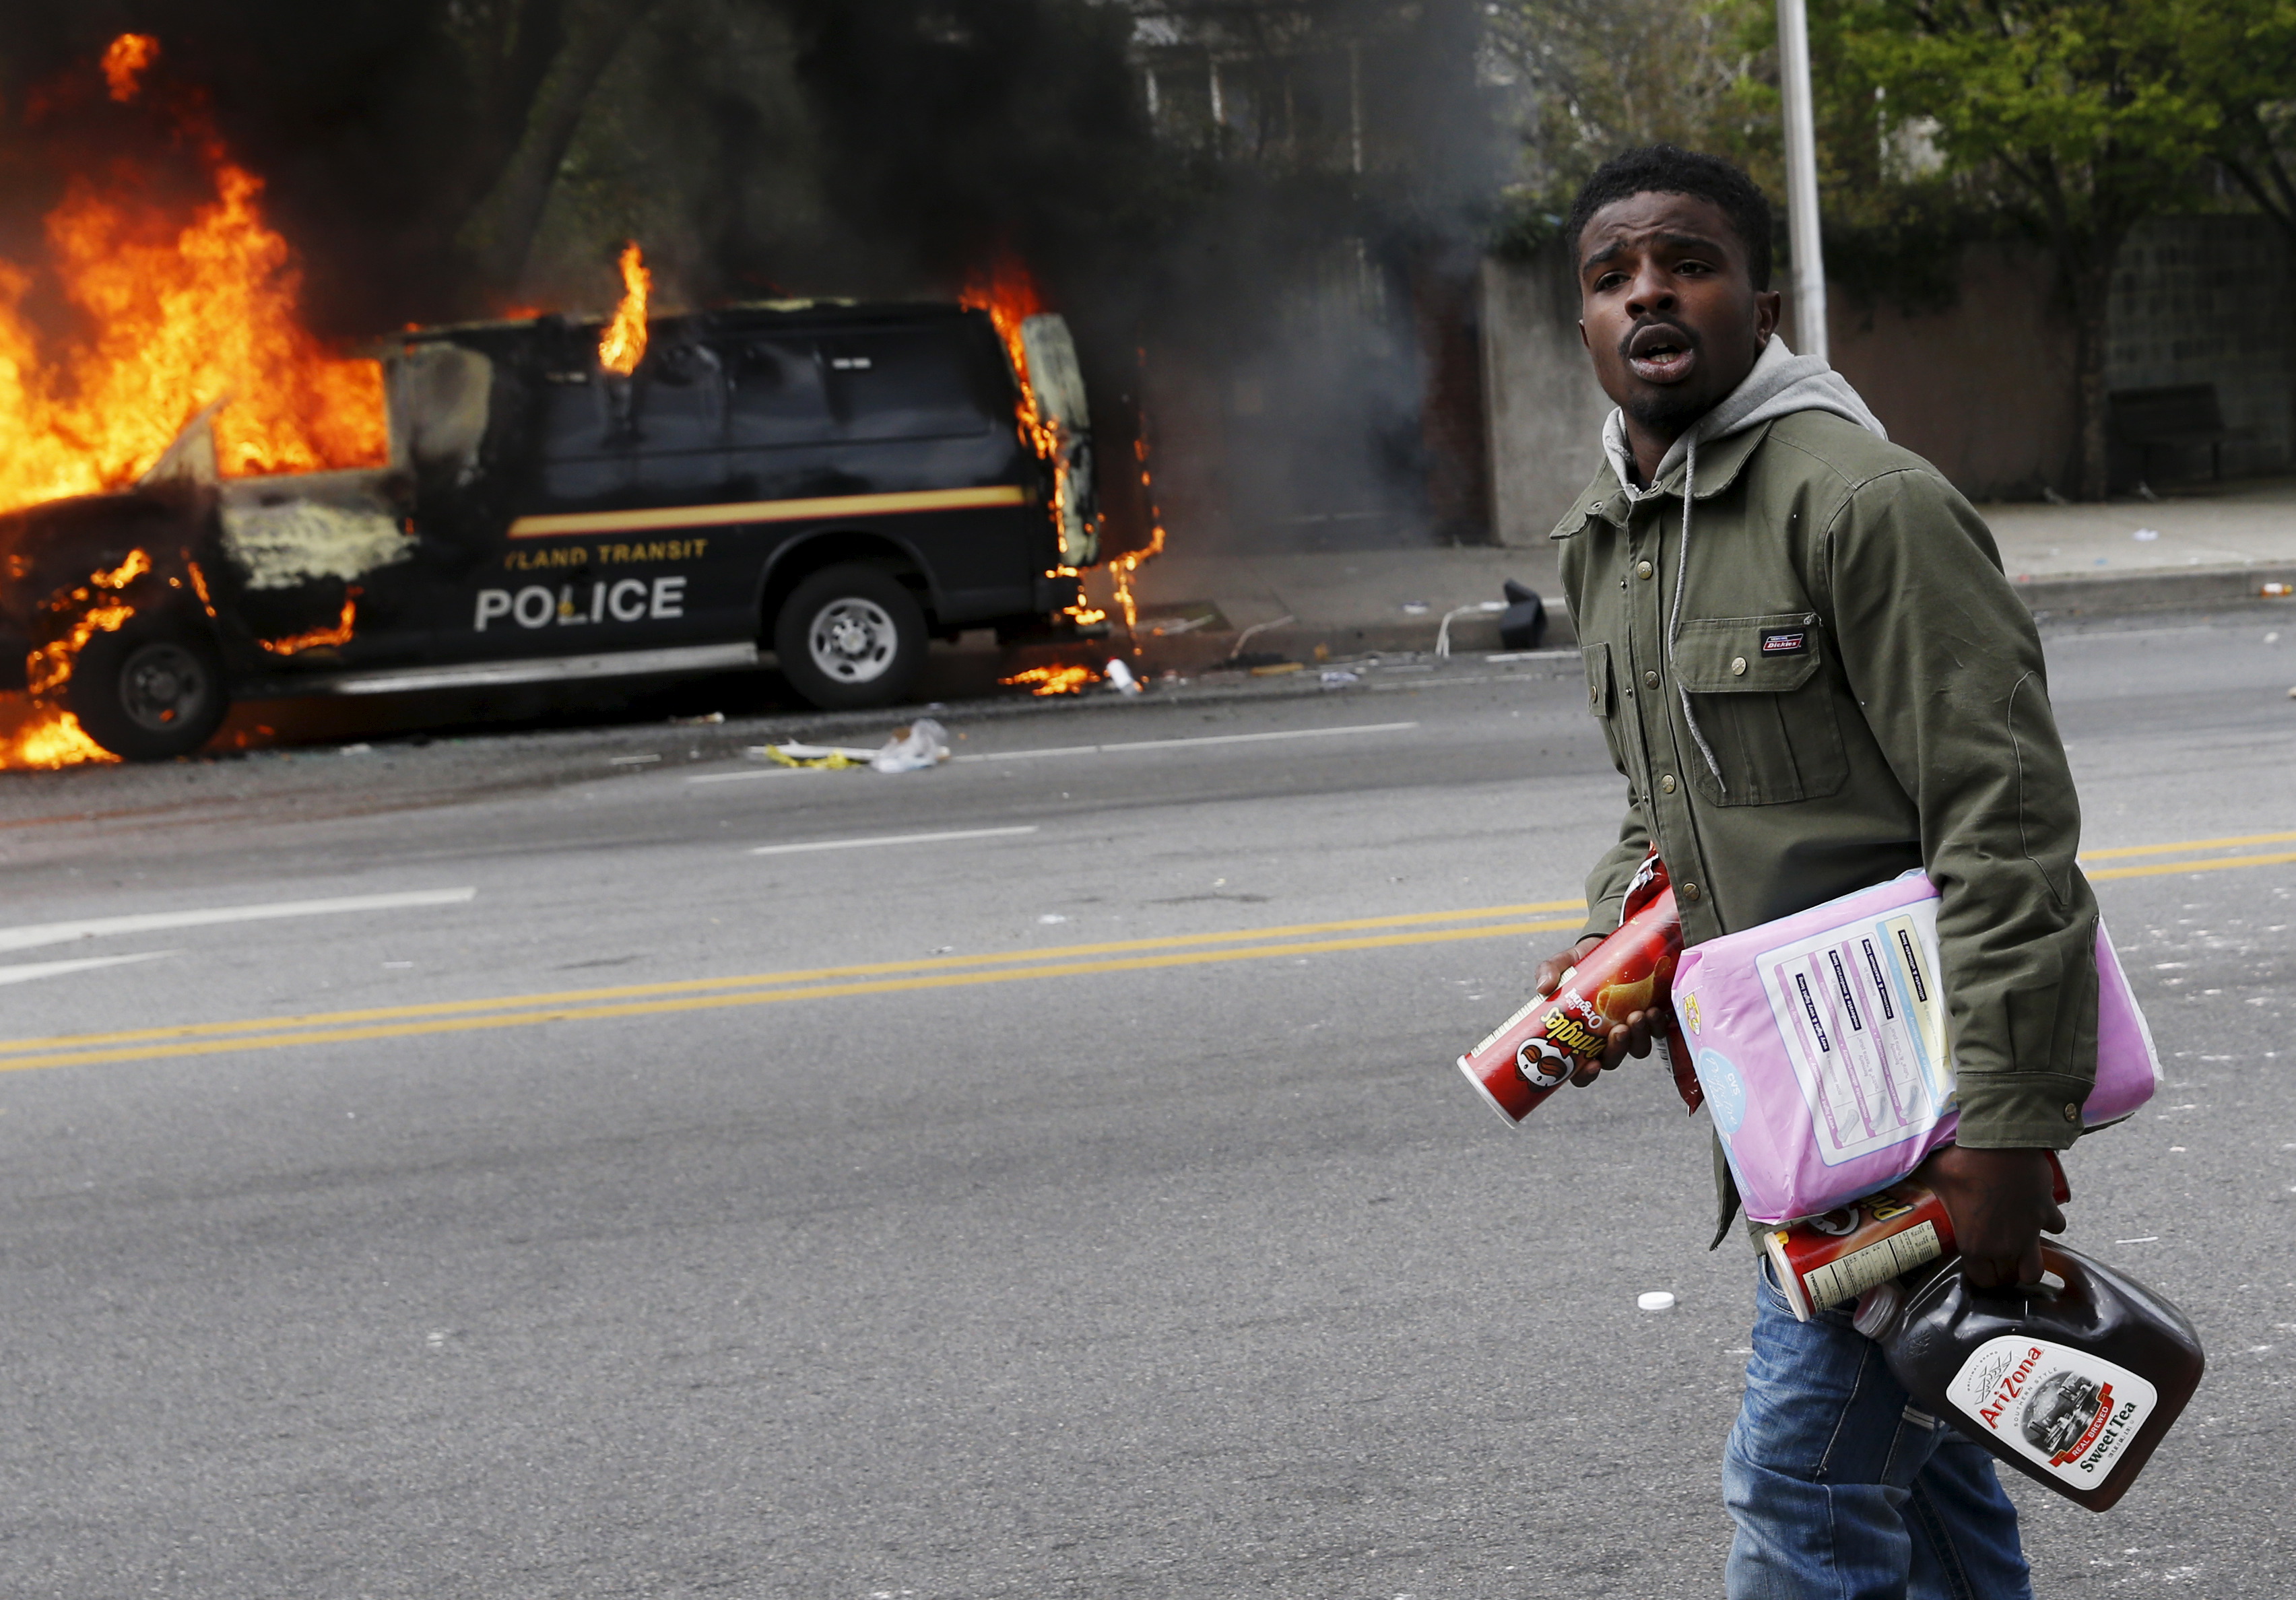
{"points": [[836, 484]]}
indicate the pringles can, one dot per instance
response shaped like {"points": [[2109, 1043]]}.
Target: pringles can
{"points": [[1534, 1052]]}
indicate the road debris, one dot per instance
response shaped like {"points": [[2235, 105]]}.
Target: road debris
{"points": [[1656, 1299], [1120, 678], [924, 743], [831, 758]]}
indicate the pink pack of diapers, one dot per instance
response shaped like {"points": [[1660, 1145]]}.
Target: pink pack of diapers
{"points": [[1820, 1041]]}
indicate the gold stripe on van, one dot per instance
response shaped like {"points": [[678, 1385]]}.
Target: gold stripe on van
{"points": [[768, 511]]}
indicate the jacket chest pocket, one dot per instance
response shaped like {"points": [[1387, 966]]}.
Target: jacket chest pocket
{"points": [[1764, 707]]}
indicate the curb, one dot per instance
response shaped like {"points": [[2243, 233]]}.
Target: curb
{"points": [[2104, 594], [2160, 589]]}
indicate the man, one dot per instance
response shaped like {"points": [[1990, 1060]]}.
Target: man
{"points": [[1813, 676]]}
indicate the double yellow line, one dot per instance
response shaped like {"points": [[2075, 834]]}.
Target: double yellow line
{"points": [[773, 988], [2211, 863]]}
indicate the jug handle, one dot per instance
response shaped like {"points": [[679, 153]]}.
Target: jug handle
{"points": [[2076, 1279]]}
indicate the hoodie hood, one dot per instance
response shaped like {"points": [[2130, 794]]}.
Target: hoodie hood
{"points": [[1781, 382]]}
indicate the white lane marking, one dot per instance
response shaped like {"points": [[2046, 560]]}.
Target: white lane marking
{"points": [[757, 772], [58, 933], [1109, 749], [854, 844], [57, 969]]}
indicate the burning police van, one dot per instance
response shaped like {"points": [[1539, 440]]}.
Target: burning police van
{"points": [[834, 484]]}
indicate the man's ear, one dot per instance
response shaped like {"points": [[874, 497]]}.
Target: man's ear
{"points": [[1768, 303]]}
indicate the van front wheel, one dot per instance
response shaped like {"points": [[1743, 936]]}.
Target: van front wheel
{"points": [[148, 692], [850, 637]]}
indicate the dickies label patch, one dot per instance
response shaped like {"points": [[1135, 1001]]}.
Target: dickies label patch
{"points": [[1785, 641]]}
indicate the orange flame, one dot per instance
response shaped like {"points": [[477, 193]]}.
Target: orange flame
{"points": [[319, 638], [45, 733], [623, 345], [47, 669], [126, 61], [1122, 568], [1008, 293], [1053, 680], [180, 313], [46, 736]]}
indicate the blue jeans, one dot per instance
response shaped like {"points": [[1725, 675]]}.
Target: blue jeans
{"points": [[1842, 1486]]}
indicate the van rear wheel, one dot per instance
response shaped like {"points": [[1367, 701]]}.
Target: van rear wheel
{"points": [[850, 637], [149, 692]]}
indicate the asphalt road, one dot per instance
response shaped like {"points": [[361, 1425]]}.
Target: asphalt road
{"points": [[1086, 1205]]}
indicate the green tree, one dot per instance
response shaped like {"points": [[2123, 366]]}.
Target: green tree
{"points": [[2246, 50], [2084, 116]]}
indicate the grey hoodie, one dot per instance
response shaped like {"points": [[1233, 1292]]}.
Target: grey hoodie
{"points": [[1780, 384]]}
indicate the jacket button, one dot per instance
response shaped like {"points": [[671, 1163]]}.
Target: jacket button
{"points": [[1667, 783], [1738, 666], [1650, 680], [2072, 1112], [1690, 891], [1642, 569]]}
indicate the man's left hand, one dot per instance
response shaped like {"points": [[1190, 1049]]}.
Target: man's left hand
{"points": [[2000, 1201]]}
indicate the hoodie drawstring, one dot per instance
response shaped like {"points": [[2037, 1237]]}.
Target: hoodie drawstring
{"points": [[1674, 623]]}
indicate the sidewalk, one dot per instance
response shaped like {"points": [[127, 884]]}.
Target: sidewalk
{"points": [[2123, 556]]}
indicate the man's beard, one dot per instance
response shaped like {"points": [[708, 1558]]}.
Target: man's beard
{"points": [[1668, 413]]}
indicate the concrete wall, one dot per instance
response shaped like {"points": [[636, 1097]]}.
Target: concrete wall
{"points": [[1544, 409], [1983, 388], [2206, 299]]}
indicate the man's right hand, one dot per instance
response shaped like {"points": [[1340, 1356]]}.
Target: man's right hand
{"points": [[1629, 1037]]}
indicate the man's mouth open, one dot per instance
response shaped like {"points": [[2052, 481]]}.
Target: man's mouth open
{"points": [[1660, 353]]}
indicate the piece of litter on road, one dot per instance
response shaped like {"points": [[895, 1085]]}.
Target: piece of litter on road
{"points": [[924, 743], [1276, 669], [1334, 678], [359, 750], [1415, 608], [2176, 1150], [1656, 1299], [709, 721], [1120, 678], [1052, 916], [632, 761], [2145, 536], [833, 756], [2144, 1239], [2278, 590]]}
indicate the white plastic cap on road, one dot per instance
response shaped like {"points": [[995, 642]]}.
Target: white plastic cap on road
{"points": [[1656, 1299]]}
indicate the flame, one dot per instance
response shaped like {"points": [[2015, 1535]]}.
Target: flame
{"points": [[623, 345], [1008, 293], [1122, 568], [179, 312], [319, 637], [45, 733], [1053, 680], [33, 734], [124, 63]]}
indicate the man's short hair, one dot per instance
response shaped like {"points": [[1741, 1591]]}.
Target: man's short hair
{"points": [[1669, 169]]}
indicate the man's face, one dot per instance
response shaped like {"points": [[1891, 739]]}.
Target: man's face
{"points": [[1668, 310]]}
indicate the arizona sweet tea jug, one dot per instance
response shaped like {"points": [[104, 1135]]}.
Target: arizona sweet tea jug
{"points": [[1534, 1052], [2074, 1386]]}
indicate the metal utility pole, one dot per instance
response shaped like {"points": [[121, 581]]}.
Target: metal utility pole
{"points": [[1801, 180]]}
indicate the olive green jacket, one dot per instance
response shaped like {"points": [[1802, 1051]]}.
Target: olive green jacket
{"points": [[1872, 694]]}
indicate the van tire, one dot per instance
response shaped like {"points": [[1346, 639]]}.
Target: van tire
{"points": [[149, 692], [850, 637]]}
